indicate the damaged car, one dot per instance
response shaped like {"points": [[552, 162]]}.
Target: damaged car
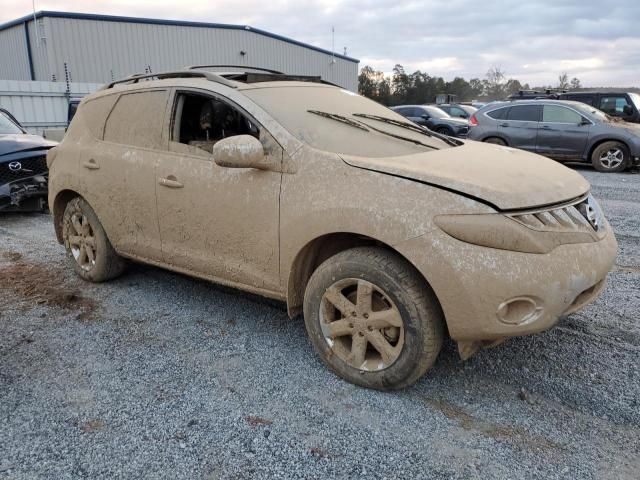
{"points": [[386, 235], [23, 167]]}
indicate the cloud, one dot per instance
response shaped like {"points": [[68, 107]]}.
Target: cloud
{"points": [[533, 41]]}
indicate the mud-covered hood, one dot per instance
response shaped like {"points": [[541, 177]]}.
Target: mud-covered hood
{"points": [[22, 141], [504, 177]]}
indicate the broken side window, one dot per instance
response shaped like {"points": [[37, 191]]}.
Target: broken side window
{"points": [[200, 121]]}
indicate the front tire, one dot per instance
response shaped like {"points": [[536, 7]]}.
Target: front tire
{"points": [[372, 318], [610, 157], [88, 248], [444, 131]]}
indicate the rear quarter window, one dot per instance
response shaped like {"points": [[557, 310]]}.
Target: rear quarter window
{"points": [[498, 114], [137, 119], [92, 114]]}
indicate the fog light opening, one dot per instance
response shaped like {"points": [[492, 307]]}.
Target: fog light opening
{"points": [[518, 311]]}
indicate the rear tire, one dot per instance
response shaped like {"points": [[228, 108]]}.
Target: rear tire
{"points": [[88, 248], [373, 319], [495, 141], [611, 157]]}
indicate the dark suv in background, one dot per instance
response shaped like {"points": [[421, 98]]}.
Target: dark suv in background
{"points": [[434, 119], [624, 105], [562, 130]]}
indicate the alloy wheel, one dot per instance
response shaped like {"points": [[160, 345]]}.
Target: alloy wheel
{"points": [[612, 158], [82, 241], [361, 324]]}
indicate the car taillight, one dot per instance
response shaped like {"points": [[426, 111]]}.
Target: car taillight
{"points": [[473, 121]]}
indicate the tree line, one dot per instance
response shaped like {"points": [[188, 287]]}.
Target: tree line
{"points": [[417, 88]]}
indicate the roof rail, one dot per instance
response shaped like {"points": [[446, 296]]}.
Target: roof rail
{"points": [[136, 77], [242, 67]]}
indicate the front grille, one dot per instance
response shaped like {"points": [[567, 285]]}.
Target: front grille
{"points": [[23, 168], [566, 218]]}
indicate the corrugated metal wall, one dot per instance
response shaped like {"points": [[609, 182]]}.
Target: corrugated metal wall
{"points": [[40, 105], [14, 59], [98, 51]]}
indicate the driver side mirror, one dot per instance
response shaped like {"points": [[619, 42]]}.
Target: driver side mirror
{"points": [[584, 121], [241, 151], [425, 116], [627, 110]]}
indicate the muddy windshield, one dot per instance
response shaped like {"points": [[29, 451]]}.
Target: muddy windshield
{"points": [[341, 121]]}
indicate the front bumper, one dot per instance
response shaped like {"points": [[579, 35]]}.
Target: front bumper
{"points": [[23, 181], [26, 195], [488, 294]]}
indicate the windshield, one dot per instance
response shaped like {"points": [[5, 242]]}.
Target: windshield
{"points": [[325, 118], [437, 112], [635, 98], [7, 126]]}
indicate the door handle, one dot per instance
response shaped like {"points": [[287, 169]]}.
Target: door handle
{"points": [[170, 182], [504, 124], [545, 127], [91, 164]]}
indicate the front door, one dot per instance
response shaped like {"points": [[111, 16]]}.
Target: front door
{"points": [[520, 127], [215, 221], [562, 134]]}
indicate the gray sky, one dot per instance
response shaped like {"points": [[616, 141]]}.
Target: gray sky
{"points": [[534, 41]]}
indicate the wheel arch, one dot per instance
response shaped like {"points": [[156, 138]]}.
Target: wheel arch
{"points": [[600, 141], [444, 126], [320, 249], [493, 135], [57, 211]]}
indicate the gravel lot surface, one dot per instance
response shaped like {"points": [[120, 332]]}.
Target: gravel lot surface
{"points": [[156, 375]]}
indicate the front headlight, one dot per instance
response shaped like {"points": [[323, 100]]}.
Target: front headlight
{"points": [[591, 211], [496, 230]]}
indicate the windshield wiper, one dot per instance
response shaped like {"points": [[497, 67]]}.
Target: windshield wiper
{"points": [[366, 127], [401, 137], [408, 126], [340, 118]]}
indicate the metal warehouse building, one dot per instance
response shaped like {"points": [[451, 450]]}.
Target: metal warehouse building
{"points": [[60, 46]]}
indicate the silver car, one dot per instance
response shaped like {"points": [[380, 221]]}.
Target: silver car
{"points": [[562, 130]]}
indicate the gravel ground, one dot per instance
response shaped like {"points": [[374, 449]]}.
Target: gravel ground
{"points": [[156, 375]]}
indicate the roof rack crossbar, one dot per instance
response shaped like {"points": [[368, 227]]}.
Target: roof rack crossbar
{"points": [[136, 77], [242, 67]]}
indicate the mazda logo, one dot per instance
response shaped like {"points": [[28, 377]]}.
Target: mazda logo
{"points": [[15, 166]]}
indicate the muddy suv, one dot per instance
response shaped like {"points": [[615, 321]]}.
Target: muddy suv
{"points": [[386, 235]]}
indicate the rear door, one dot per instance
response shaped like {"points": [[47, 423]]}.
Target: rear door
{"points": [[562, 134], [118, 173], [520, 127]]}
